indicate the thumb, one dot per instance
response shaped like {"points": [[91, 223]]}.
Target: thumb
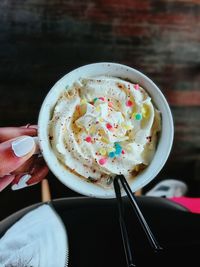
{"points": [[14, 152]]}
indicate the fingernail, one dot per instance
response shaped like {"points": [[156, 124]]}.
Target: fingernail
{"points": [[37, 148], [23, 146], [22, 182]]}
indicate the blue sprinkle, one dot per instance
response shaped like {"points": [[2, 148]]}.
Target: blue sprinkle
{"points": [[118, 150], [117, 145], [111, 154]]}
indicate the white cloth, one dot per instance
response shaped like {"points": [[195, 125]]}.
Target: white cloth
{"points": [[38, 239]]}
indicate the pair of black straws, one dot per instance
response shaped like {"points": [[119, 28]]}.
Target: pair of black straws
{"points": [[153, 242]]}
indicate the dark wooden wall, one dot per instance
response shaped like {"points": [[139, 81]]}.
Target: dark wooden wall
{"points": [[41, 40]]}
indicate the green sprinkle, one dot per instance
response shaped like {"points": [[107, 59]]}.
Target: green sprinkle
{"points": [[109, 181], [138, 116]]}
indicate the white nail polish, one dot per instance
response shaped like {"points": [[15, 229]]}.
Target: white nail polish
{"points": [[23, 146], [22, 182], [37, 148]]}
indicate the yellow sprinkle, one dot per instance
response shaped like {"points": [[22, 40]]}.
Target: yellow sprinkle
{"points": [[98, 109], [105, 140], [101, 119], [92, 129], [83, 101], [102, 151], [127, 127], [129, 148], [145, 111], [133, 115]]}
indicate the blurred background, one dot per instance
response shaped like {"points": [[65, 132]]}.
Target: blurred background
{"points": [[41, 40]]}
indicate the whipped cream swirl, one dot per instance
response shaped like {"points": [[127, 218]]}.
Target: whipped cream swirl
{"points": [[104, 126]]}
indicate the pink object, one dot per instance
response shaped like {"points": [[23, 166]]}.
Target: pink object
{"points": [[102, 98], [88, 139], [129, 103], [110, 104], [136, 86], [102, 161], [123, 152], [109, 126], [192, 204]]}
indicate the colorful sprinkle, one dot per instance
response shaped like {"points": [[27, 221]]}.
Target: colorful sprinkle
{"points": [[123, 152], [88, 139], [105, 140], [145, 112], [138, 116], [101, 119], [127, 127], [102, 151], [102, 98], [118, 149], [83, 101], [98, 109], [129, 148], [110, 104], [92, 129], [136, 86], [129, 103], [109, 181], [95, 99], [109, 126], [102, 161], [111, 154]]}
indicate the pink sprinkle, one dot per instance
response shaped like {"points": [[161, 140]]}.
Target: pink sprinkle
{"points": [[102, 98], [110, 104], [123, 152], [136, 86], [88, 139], [102, 161], [129, 103], [109, 126]]}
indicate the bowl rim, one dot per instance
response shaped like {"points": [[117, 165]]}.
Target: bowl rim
{"points": [[105, 192]]}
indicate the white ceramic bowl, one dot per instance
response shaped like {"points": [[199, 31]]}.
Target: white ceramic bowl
{"points": [[113, 69]]}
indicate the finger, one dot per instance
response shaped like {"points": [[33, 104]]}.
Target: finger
{"points": [[24, 180], [33, 126], [20, 181], [26, 167], [14, 153], [39, 174], [7, 133], [5, 181]]}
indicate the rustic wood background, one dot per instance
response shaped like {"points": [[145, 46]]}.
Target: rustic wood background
{"points": [[41, 40]]}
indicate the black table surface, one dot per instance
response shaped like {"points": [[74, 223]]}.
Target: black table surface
{"points": [[94, 237], [40, 41]]}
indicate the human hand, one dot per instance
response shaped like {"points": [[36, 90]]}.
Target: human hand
{"points": [[20, 161]]}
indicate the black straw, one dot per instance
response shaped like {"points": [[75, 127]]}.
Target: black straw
{"points": [[152, 240], [124, 233]]}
